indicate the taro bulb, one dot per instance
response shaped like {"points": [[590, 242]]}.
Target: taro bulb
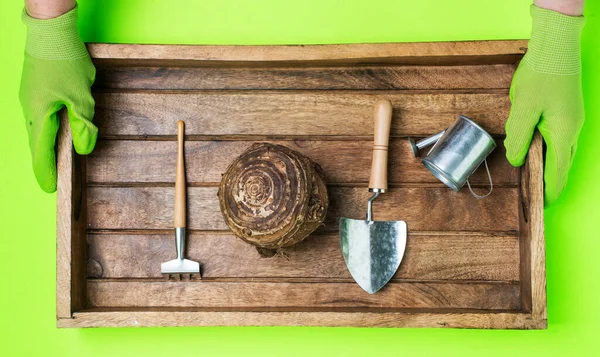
{"points": [[272, 196]]}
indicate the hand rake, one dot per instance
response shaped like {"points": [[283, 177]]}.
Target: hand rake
{"points": [[180, 268]]}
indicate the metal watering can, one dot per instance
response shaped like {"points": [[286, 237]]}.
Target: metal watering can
{"points": [[457, 152]]}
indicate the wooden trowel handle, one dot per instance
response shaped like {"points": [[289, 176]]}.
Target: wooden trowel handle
{"points": [[180, 179], [383, 121]]}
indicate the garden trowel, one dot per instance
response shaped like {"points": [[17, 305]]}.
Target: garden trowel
{"points": [[372, 249]]}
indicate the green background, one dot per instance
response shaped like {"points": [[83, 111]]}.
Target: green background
{"points": [[27, 215]]}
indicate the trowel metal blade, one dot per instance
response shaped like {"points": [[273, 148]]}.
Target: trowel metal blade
{"points": [[372, 250]]}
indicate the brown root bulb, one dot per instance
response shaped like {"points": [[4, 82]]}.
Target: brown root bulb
{"points": [[272, 196]]}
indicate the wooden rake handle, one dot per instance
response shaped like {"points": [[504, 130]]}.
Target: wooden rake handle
{"points": [[180, 194], [383, 122]]}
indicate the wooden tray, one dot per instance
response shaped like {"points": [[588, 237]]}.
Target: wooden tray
{"points": [[469, 263]]}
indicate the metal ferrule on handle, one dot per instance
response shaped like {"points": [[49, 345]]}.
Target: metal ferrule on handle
{"points": [[180, 241]]}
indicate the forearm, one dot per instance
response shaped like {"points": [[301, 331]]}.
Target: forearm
{"points": [[567, 7], [47, 9]]}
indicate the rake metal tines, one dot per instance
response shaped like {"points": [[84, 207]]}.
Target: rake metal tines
{"points": [[180, 269], [182, 276]]}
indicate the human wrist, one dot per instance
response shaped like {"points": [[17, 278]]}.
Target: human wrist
{"points": [[48, 9], [54, 39], [567, 7], [554, 46]]}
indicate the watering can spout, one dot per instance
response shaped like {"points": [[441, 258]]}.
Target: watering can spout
{"points": [[430, 140]]}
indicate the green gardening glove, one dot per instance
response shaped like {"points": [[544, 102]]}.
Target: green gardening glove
{"points": [[57, 73], [546, 94]]}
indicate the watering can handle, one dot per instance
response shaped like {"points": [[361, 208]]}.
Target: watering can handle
{"points": [[491, 184], [383, 122]]}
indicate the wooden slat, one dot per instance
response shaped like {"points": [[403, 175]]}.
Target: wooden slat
{"points": [[331, 78], [288, 113], [115, 293], [399, 53], [206, 161], [525, 238], [532, 245], [427, 257], [64, 221], [537, 248], [436, 209], [70, 225], [487, 320]]}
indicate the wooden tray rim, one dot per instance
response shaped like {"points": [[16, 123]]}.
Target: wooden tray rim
{"points": [[303, 53], [67, 305]]}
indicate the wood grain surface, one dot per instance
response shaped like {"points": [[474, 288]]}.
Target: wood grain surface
{"points": [[432, 209], [424, 53], [537, 257], [65, 294], [227, 295], [468, 263], [206, 161], [429, 256], [70, 225], [446, 319], [293, 113], [306, 78]]}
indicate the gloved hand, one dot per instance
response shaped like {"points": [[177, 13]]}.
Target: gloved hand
{"points": [[57, 72], [546, 93]]}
